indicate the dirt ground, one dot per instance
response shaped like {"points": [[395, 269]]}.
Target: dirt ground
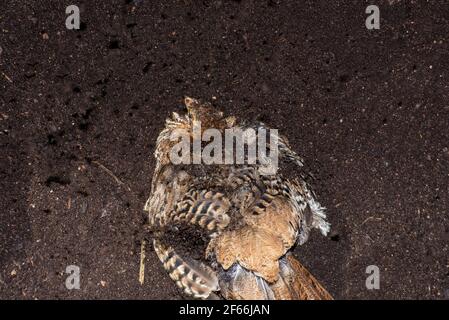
{"points": [[367, 109]]}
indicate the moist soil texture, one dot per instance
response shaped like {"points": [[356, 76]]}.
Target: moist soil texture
{"points": [[80, 111]]}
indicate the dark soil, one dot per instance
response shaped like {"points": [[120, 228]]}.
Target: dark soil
{"points": [[367, 109]]}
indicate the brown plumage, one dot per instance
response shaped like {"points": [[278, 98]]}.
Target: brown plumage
{"points": [[251, 221]]}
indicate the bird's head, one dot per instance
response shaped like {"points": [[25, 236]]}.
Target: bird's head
{"points": [[207, 115], [200, 115]]}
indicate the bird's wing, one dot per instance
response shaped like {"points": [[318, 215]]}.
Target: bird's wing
{"points": [[204, 208], [263, 239], [285, 151], [255, 256]]}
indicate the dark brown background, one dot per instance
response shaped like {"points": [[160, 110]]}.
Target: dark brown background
{"points": [[368, 110]]}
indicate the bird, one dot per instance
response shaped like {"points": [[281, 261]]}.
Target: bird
{"points": [[227, 230]]}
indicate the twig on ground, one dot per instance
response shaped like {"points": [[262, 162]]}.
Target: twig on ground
{"points": [[6, 76], [109, 172], [370, 218], [142, 262]]}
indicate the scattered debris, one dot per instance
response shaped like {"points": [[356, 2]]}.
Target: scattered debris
{"points": [[6, 76], [104, 213], [142, 262], [84, 206], [370, 218], [109, 172]]}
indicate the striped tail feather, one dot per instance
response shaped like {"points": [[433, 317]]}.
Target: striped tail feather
{"points": [[194, 278], [295, 282]]}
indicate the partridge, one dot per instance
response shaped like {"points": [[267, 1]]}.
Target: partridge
{"points": [[226, 230]]}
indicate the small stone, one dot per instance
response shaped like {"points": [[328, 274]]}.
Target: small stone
{"points": [[45, 36], [13, 273], [103, 283]]}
